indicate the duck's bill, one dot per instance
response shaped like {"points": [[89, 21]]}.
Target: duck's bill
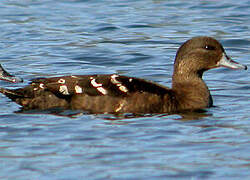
{"points": [[226, 61], [5, 76]]}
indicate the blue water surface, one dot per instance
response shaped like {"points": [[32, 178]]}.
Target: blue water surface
{"points": [[135, 38]]}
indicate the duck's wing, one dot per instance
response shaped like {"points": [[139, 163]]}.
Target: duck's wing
{"points": [[90, 92], [97, 85]]}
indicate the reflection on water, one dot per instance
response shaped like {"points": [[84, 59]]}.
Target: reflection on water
{"points": [[196, 115], [184, 116], [134, 38]]}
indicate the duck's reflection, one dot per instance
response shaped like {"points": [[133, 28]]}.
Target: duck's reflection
{"points": [[182, 116]]}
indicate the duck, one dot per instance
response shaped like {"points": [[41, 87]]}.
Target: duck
{"points": [[116, 94]]}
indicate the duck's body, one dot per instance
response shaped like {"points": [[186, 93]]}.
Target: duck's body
{"points": [[121, 94], [109, 93], [95, 93]]}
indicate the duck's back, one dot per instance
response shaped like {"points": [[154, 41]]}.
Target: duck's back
{"points": [[95, 94]]}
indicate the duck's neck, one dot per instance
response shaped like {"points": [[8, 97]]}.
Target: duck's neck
{"points": [[192, 91]]}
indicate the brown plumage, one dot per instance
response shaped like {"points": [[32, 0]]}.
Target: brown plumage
{"points": [[122, 94]]}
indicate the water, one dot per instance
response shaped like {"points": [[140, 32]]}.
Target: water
{"points": [[135, 38]]}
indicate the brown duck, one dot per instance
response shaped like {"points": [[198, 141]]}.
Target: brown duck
{"points": [[121, 94]]}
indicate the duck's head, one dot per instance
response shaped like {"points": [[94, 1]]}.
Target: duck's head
{"points": [[200, 54]]}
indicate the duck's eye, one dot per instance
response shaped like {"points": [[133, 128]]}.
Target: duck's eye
{"points": [[208, 47]]}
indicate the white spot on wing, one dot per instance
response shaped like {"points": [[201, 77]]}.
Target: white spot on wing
{"points": [[78, 89], [123, 88], [41, 85], [114, 80], [118, 83], [94, 83], [98, 86], [130, 79], [64, 90], [61, 81], [102, 90]]}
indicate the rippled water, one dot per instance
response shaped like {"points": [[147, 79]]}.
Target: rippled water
{"points": [[135, 38]]}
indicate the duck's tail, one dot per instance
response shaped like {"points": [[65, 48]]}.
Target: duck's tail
{"points": [[29, 99], [15, 95]]}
